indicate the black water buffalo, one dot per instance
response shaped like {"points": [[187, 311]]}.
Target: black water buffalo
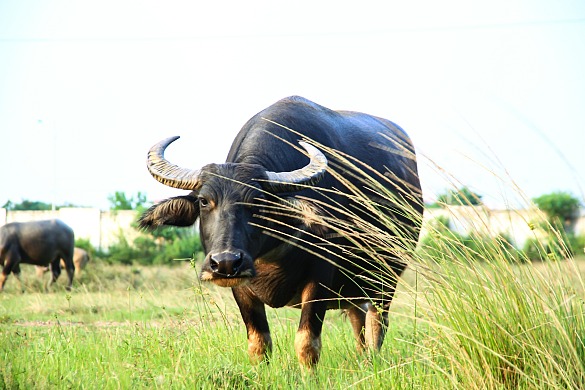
{"points": [[267, 257], [39, 243]]}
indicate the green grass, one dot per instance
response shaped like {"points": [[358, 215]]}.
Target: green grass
{"points": [[158, 328], [187, 336]]}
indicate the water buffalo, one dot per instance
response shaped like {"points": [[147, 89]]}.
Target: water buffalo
{"points": [[269, 258], [80, 260], [39, 243]]}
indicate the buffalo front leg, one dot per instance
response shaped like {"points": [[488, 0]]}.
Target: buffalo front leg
{"points": [[55, 271], [308, 337], [254, 315], [16, 273]]}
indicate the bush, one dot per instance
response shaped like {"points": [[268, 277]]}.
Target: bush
{"points": [[560, 207], [460, 197], [576, 243], [148, 251], [85, 244], [441, 244], [487, 248], [536, 250], [555, 247], [121, 252]]}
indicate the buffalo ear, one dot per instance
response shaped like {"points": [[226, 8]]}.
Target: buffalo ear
{"points": [[177, 211]]}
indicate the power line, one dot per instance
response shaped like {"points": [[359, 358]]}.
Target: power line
{"points": [[486, 26]]}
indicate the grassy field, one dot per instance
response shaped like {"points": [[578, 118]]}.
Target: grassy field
{"points": [[157, 327]]}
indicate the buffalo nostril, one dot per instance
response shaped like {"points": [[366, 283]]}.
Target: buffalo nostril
{"points": [[226, 263], [214, 264], [237, 263]]}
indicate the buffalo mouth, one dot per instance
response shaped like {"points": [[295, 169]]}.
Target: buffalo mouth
{"points": [[227, 281]]}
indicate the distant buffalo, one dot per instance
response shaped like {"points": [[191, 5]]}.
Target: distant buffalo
{"points": [[80, 260], [41, 243]]}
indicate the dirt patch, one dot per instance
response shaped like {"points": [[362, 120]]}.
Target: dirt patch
{"points": [[70, 323], [105, 324]]}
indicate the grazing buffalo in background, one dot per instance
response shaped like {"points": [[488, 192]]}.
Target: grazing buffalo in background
{"points": [[80, 260], [243, 240], [39, 243]]}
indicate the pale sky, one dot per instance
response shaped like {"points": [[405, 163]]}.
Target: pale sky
{"points": [[492, 92]]}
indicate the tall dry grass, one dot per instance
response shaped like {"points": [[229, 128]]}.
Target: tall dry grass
{"points": [[488, 318]]}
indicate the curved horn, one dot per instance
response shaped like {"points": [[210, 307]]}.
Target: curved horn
{"points": [[295, 180], [167, 173]]}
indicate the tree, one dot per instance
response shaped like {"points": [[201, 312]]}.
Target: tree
{"points": [[559, 207], [461, 197], [119, 201], [27, 205], [33, 205]]}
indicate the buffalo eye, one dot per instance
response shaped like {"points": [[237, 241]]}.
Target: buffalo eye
{"points": [[204, 202]]}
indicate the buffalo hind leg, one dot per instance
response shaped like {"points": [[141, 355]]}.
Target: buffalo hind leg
{"points": [[369, 324], [357, 318], [254, 315], [11, 264], [376, 325], [308, 337]]}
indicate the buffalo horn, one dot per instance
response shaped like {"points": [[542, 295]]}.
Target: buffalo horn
{"points": [[295, 180], [168, 173]]}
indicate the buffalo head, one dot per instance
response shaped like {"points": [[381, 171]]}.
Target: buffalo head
{"points": [[227, 199]]}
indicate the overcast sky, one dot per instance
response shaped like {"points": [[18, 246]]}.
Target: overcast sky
{"points": [[491, 92]]}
